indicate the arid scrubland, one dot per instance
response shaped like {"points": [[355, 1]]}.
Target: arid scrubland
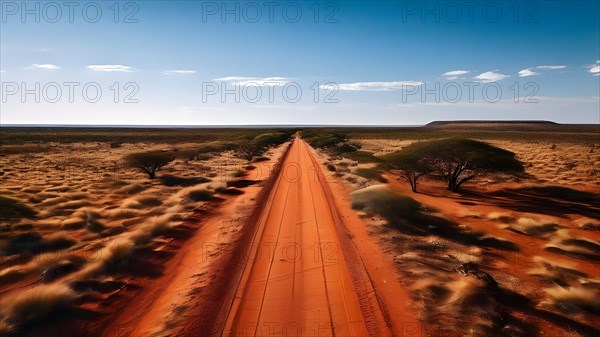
{"points": [[510, 254], [507, 254], [79, 224]]}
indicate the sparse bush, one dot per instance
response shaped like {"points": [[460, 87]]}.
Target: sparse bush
{"points": [[239, 173], [259, 144], [345, 148], [324, 139], [37, 302], [371, 173], [229, 191], [581, 297], [192, 154], [132, 189], [333, 141], [362, 157], [149, 162], [402, 212], [260, 159], [591, 227], [113, 231], [171, 180], [13, 209], [35, 243], [201, 195]]}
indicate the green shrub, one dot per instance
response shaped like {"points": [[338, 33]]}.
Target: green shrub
{"points": [[259, 144], [457, 160], [323, 138], [362, 157]]}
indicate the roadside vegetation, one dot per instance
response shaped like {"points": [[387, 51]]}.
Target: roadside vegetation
{"points": [[456, 160], [88, 212]]}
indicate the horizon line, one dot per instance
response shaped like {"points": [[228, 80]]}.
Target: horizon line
{"points": [[279, 125]]}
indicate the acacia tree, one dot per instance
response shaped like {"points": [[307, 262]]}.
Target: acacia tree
{"points": [[457, 160], [409, 166], [149, 162], [460, 160]]}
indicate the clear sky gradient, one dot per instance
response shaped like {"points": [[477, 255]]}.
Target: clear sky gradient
{"points": [[355, 62]]}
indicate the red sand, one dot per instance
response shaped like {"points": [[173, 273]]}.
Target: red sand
{"points": [[304, 275]]}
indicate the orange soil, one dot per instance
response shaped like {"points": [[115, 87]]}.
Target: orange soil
{"points": [[385, 282], [149, 310], [297, 280], [516, 264], [169, 304], [295, 270]]}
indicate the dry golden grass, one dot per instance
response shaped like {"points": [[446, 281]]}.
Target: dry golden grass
{"points": [[37, 302], [92, 213], [559, 163], [554, 267]]}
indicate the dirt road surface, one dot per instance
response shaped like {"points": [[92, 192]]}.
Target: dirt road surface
{"points": [[297, 281], [297, 272]]}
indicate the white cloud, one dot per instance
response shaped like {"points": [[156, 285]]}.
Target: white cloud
{"points": [[550, 67], [261, 81], [43, 66], [490, 76], [454, 74], [375, 86], [594, 69], [179, 72], [110, 67], [527, 72]]}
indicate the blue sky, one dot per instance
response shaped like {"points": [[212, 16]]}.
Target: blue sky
{"points": [[355, 62]]}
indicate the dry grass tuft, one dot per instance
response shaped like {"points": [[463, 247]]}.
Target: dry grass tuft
{"points": [[13, 209], [502, 217], [532, 227], [132, 189], [37, 302], [152, 227], [201, 195], [583, 298], [143, 202]]}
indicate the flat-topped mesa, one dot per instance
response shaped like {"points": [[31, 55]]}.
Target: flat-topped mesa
{"points": [[509, 125]]}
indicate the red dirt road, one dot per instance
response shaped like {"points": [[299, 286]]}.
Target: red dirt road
{"points": [[297, 281]]}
